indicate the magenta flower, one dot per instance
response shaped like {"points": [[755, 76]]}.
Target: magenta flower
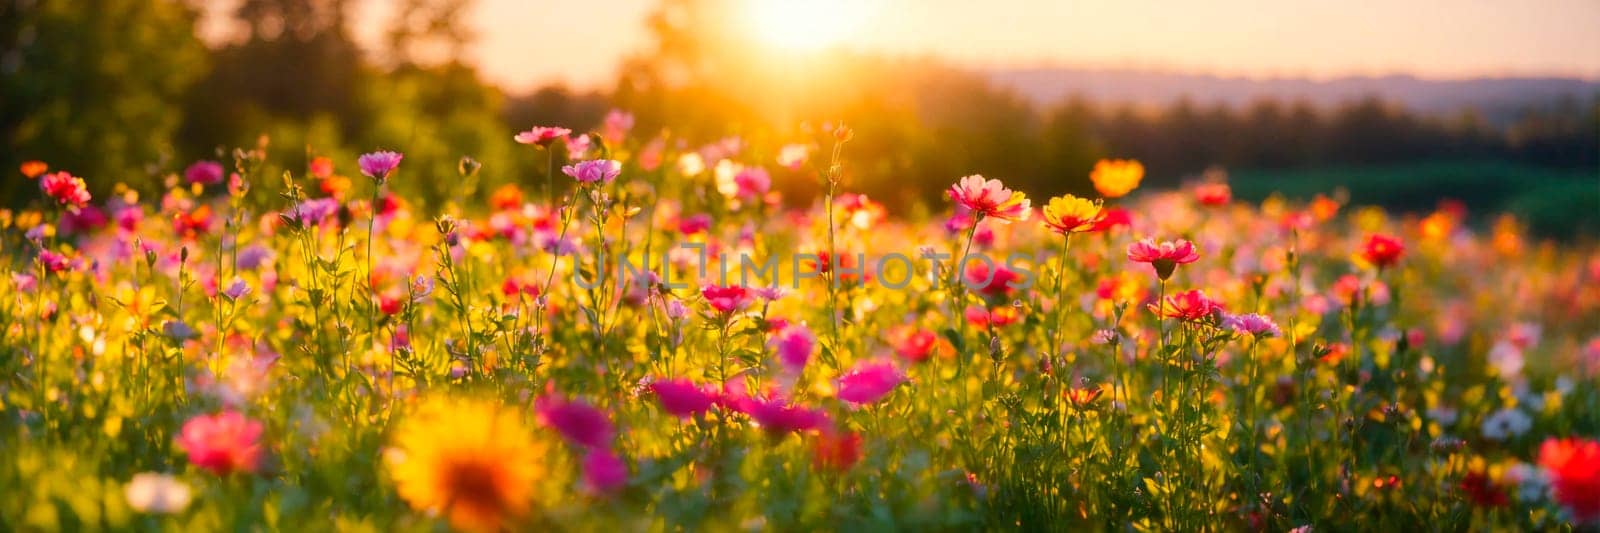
{"points": [[990, 198], [726, 300], [541, 135], [54, 262], [1165, 256], [579, 422], [204, 172], [794, 345], [694, 224], [603, 471], [752, 183], [682, 397], [869, 382], [1252, 324], [379, 165], [223, 443], [598, 170], [778, 417]]}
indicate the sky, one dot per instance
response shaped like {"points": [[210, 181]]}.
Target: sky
{"points": [[525, 43]]}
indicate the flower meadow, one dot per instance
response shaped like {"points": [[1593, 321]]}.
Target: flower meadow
{"points": [[306, 350]]}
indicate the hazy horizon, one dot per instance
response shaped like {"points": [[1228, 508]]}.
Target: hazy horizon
{"points": [[522, 45]]}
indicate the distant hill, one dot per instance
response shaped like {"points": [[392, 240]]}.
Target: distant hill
{"points": [[1498, 99]]}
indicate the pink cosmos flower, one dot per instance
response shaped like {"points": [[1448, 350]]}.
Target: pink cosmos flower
{"points": [[204, 173], [65, 189], [223, 443], [869, 382], [794, 345], [682, 397], [379, 165], [1252, 324], [541, 135], [1165, 256], [598, 170], [726, 300], [579, 422], [603, 471], [990, 198]]}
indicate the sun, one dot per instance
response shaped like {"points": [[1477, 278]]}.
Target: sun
{"points": [[806, 24]]}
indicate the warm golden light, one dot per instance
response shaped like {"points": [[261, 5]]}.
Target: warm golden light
{"points": [[806, 24]]}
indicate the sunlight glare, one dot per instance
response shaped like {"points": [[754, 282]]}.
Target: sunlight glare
{"points": [[806, 24]]}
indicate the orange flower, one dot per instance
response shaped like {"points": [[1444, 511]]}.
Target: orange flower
{"points": [[1081, 397], [33, 169], [474, 462], [1115, 178]]}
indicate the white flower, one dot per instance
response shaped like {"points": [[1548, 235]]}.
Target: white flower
{"points": [[150, 492], [1508, 422], [1531, 481]]}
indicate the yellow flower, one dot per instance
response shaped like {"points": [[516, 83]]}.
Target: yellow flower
{"points": [[1115, 178], [1071, 214], [473, 462]]}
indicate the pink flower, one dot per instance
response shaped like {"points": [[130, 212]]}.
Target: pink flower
{"points": [[223, 443], [990, 198], [694, 224], [579, 422], [794, 345], [1165, 256], [65, 189], [603, 471], [541, 135], [204, 173], [778, 417], [54, 262], [594, 171], [1188, 305], [1252, 324], [726, 300], [869, 382], [682, 397], [577, 147], [616, 125], [379, 165], [752, 183]]}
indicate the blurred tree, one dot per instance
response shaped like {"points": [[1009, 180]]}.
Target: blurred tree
{"points": [[93, 86]]}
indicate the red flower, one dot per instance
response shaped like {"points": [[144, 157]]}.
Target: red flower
{"points": [[1482, 491], [1113, 217], [1213, 194], [192, 223], [223, 443], [996, 284], [836, 451], [65, 189], [1382, 250], [1574, 467], [916, 345]]}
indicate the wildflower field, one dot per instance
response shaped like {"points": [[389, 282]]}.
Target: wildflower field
{"points": [[647, 336]]}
